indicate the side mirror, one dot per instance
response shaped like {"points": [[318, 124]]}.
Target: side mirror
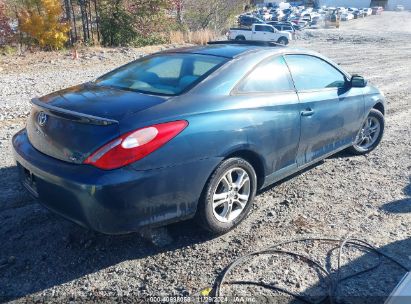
{"points": [[358, 81]]}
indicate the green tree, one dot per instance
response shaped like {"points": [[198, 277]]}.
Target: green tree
{"points": [[116, 23], [125, 22]]}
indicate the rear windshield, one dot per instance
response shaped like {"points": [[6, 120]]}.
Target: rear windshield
{"points": [[163, 74]]}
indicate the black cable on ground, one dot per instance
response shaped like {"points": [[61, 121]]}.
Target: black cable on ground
{"points": [[332, 282]]}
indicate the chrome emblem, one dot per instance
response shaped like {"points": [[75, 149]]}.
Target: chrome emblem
{"points": [[42, 118]]}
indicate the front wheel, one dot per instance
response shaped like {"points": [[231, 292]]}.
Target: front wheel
{"points": [[370, 134], [283, 41], [227, 196]]}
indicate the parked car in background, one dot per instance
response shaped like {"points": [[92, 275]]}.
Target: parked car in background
{"points": [[300, 23], [278, 15], [377, 10], [342, 9], [307, 17], [296, 22], [191, 133], [358, 14], [293, 25], [260, 32], [364, 11], [346, 16], [332, 19], [267, 16], [399, 8], [317, 21], [247, 20], [284, 27], [368, 11]]}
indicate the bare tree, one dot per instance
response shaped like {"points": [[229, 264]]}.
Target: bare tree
{"points": [[215, 14]]}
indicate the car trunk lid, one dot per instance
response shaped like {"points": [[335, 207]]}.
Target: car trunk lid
{"points": [[71, 124]]}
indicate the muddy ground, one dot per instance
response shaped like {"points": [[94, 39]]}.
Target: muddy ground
{"points": [[366, 197]]}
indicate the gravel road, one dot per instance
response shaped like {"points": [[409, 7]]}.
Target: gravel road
{"points": [[368, 197]]}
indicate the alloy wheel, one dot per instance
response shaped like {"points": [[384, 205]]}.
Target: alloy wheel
{"points": [[368, 134], [231, 195]]}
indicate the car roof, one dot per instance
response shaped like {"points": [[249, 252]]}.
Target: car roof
{"points": [[226, 50], [249, 49]]}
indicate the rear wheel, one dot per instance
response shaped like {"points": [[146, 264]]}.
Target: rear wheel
{"points": [[240, 38], [228, 196], [370, 134], [283, 41]]}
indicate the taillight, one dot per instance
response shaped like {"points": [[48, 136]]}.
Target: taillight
{"points": [[134, 145]]}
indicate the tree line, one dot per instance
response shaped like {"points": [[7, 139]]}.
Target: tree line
{"points": [[54, 24]]}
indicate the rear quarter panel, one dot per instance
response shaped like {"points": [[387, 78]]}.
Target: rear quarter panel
{"points": [[267, 126]]}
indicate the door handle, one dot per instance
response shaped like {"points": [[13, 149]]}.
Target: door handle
{"points": [[307, 112]]}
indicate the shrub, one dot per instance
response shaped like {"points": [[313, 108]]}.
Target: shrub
{"points": [[116, 24], [154, 39], [44, 25], [8, 50]]}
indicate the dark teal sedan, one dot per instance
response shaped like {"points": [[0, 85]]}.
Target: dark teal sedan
{"points": [[191, 132]]}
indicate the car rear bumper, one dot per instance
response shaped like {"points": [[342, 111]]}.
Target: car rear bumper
{"points": [[116, 201]]}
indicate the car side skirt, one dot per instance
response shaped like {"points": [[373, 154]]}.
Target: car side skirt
{"points": [[290, 170]]}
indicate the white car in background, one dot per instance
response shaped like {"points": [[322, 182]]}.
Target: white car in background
{"points": [[346, 16], [367, 10], [267, 16], [260, 32], [342, 9]]}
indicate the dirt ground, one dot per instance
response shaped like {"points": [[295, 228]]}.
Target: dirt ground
{"points": [[367, 197]]}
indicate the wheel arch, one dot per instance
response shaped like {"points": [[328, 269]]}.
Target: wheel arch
{"points": [[283, 38], [380, 107], [254, 159]]}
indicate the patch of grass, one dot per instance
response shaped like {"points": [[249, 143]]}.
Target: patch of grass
{"points": [[8, 50], [196, 37], [153, 39]]}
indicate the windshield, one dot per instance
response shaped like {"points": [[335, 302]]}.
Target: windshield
{"points": [[163, 74]]}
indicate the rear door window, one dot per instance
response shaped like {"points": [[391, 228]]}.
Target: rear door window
{"points": [[259, 28], [263, 28], [272, 75], [268, 29]]}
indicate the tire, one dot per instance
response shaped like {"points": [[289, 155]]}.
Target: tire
{"points": [[283, 41], [217, 197], [367, 140], [240, 38]]}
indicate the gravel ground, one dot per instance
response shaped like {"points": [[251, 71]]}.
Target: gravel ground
{"points": [[368, 197]]}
